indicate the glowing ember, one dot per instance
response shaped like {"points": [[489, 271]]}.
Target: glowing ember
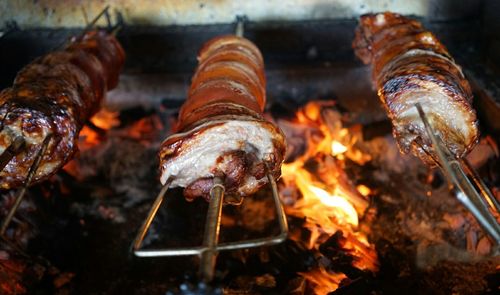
{"points": [[338, 148], [323, 281], [105, 119], [92, 136], [330, 203], [345, 209], [364, 190]]}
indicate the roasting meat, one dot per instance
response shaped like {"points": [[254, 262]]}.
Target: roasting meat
{"points": [[221, 131], [410, 65], [56, 94]]}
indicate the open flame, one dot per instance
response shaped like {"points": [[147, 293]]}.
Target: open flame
{"points": [[104, 126], [91, 137], [329, 201], [103, 120]]}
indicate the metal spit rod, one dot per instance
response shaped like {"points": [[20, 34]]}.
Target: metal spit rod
{"points": [[212, 230], [476, 202]]}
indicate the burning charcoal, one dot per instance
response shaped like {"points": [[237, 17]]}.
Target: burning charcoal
{"points": [[360, 285], [11, 276], [291, 257], [63, 279], [265, 281], [340, 259], [334, 244], [295, 135], [296, 286], [21, 274]]}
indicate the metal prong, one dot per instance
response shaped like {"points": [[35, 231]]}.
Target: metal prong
{"points": [[238, 245], [280, 211], [463, 189], [11, 151], [85, 16], [116, 29], [93, 22], [22, 192], [96, 19], [151, 215], [485, 191], [240, 26], [212, 230], [90, 25]]}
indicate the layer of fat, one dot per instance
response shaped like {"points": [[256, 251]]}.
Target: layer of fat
{"points": [[436, 104], [199, 153], [416, 52], [422, 52]]}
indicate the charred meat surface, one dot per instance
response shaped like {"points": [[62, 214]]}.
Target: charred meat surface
{"points": [[56, 94], [221, 131], [409, 66]]}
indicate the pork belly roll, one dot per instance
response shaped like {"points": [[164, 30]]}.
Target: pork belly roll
{"points": [[221, 131], [410, 65], [56, 94]]}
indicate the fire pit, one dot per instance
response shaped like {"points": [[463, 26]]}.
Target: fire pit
{"points": [[363, 218]]}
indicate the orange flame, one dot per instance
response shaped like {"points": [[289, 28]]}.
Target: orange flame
{"points": [[105, 120], [330, 201], [90, 138], [323, 282]]}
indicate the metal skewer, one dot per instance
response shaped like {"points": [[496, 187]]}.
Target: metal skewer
{"points": [[240, 26], [151, 215], [487, 194], [11, 151], [212, 230], [22, 192], [460, 184], [104, 12]]}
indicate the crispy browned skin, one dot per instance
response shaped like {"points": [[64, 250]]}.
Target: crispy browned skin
{"points": [[410, 65], [56, 93], [228, 88]]}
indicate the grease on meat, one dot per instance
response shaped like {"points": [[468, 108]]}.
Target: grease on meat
{"points": [[410, 65], [221, 130]]}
